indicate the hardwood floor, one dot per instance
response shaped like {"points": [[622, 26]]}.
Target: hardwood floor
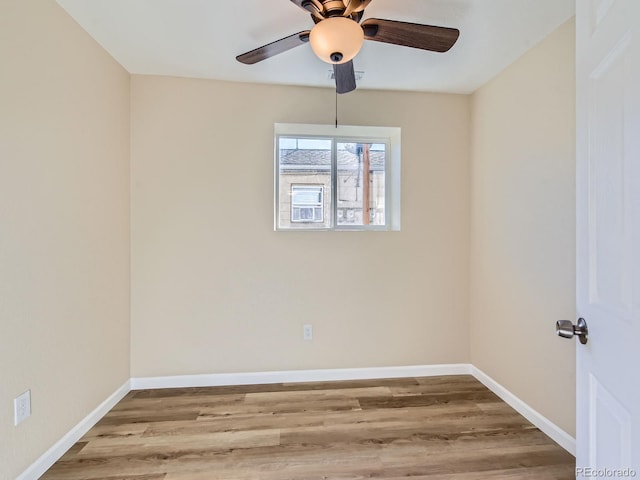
{"points": [[432, 428]]}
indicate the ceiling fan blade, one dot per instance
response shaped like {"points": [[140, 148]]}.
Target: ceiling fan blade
{"points": [[274, 48], [425, 37], [345, 77]]}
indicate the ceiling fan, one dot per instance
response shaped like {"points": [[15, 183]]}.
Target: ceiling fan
{"points": [[338, 35]]}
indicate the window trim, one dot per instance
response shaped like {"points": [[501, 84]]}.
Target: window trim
{"points": [[390, 136]]}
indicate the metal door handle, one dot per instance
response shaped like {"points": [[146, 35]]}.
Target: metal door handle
{"points": [[566, 329]]}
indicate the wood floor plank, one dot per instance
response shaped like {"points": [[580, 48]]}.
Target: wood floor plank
{"points": [[435, 428], [101, 430], [176, 402], [426, 399], [234, 423], [158, 476], [318, 405], [167, 445], [325, 394]]}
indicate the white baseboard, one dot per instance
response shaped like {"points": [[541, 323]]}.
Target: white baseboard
{"points": [[561, 437], [52, 455], [296, 376]]}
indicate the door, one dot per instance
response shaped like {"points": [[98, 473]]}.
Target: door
{"points": [[608, 236]]}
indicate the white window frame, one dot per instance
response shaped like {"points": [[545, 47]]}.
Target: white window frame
{"points": [[390, 136]]}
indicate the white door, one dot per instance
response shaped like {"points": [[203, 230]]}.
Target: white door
{"points": [[608, 236]]}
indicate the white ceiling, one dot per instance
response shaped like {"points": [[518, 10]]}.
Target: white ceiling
{"points": [[201, 38]]}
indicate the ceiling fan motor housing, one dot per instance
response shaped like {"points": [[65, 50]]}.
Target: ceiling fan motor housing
{"points": [[324, 8], [333, 7]]}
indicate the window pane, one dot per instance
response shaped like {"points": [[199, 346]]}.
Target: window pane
{"points": [[304, 182], [361, 184], [306, 195]]}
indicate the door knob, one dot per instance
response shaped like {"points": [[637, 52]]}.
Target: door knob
{"points": [[566, 329]]}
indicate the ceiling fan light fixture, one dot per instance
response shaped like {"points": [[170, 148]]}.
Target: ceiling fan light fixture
{"points": [[336, 39]]}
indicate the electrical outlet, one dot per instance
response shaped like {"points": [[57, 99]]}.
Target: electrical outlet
{"points": [[22, 407], [307, 332]]}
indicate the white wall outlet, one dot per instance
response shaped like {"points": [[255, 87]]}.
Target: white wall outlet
{"points": [[307, 332], [22, 407]]}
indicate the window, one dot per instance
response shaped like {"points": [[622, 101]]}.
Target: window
{"points": [[306, 203], [344, 178]]}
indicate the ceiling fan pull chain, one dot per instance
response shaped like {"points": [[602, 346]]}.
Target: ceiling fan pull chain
{"points": [[336, 108]]}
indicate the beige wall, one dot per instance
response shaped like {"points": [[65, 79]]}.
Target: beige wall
{"points": [[215, 289], [64, 226], [522, 227]]}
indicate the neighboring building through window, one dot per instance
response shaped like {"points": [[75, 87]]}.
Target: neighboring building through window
{"points": [[345, 178]]}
